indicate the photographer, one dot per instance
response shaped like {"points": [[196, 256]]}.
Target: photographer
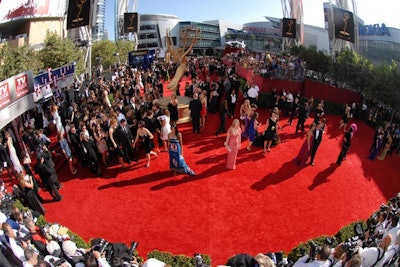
{"points": [[321, 260], [392, 253], [93, 259], [374, 256], [346, 255]]}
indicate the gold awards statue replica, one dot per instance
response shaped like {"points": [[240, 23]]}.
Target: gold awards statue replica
{"points": [[189, 36]]}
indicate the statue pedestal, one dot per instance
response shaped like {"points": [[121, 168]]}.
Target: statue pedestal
{"points": [[183, 107]]}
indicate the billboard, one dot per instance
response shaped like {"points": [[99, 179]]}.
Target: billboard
{"points": [[289, 28], [15, 88], [45, 83], [78, 13], [131, 22], [344, 24], [22, 9]]}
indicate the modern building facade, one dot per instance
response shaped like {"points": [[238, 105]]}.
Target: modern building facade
{"points": [[25, 22], [99, 18]]}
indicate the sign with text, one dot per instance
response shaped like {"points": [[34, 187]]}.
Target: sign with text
{"points": [[5, 97], [15, 88]]}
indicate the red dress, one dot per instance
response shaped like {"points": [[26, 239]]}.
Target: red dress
{"points": [[203, 111], [233, 146]]}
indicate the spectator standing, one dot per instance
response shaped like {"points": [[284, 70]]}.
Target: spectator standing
{"points": [[252, 94]]}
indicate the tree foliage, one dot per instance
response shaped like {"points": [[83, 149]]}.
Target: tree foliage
{"points": [[104, 52], [18, 60], [316, 60], [123, 48], [58, 52]]}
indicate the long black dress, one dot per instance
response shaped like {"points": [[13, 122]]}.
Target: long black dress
{"points": [[31, 198], [173, 110]]}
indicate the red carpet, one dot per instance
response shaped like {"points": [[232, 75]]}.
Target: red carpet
{"points": [[266, 204]]}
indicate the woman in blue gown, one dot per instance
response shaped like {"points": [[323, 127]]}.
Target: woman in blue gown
{"points": [[176, 160]]}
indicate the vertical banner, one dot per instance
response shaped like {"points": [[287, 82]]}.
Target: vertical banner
{"points": [[131, 22], [289, 28], [78, 13], [344, 24]]}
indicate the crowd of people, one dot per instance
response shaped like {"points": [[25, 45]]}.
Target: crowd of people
{"points": [[110, 120]]}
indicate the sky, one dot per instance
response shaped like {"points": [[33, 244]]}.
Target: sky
{"points": [[245, 11]]}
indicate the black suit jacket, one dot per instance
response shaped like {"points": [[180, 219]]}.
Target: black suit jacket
{"points": [[123, 137], [195, 108]]}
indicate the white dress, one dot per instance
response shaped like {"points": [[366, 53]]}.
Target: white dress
{"points": [[14, 158], [57, 121], [166, 128]]}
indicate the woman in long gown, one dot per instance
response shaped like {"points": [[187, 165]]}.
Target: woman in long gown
{"points": [[56, 118], [232, 143], [305, 150], [377, 147], [173, 109], [252, 129], [177, 162], [26, 185], [13, 154], [147, 141]]}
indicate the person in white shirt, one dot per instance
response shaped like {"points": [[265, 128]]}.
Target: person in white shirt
{"points": [[320, 261], [31, 258], [252, 94], [374, 256], [392, 250]]}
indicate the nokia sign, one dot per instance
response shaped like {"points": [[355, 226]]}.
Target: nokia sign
{"points": [[374, 29]]}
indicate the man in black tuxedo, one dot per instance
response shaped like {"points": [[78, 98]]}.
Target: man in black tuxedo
{"points": [[124, 138], [317, 141], [48, 176], [302, 117], [195, 108]]}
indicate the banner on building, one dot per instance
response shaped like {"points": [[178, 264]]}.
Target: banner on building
{"points": [[344, 24], [78, 13], [289, 28], [131, 22], [15, 88]]}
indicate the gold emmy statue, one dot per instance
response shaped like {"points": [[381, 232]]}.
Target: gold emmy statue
{"points": [[79, 5], [345, 20], [290, 25], [131, 21], [189, 36]]}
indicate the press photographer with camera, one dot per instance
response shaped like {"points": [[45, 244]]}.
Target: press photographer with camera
{"points": [[317, 257], [374, 256]]}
